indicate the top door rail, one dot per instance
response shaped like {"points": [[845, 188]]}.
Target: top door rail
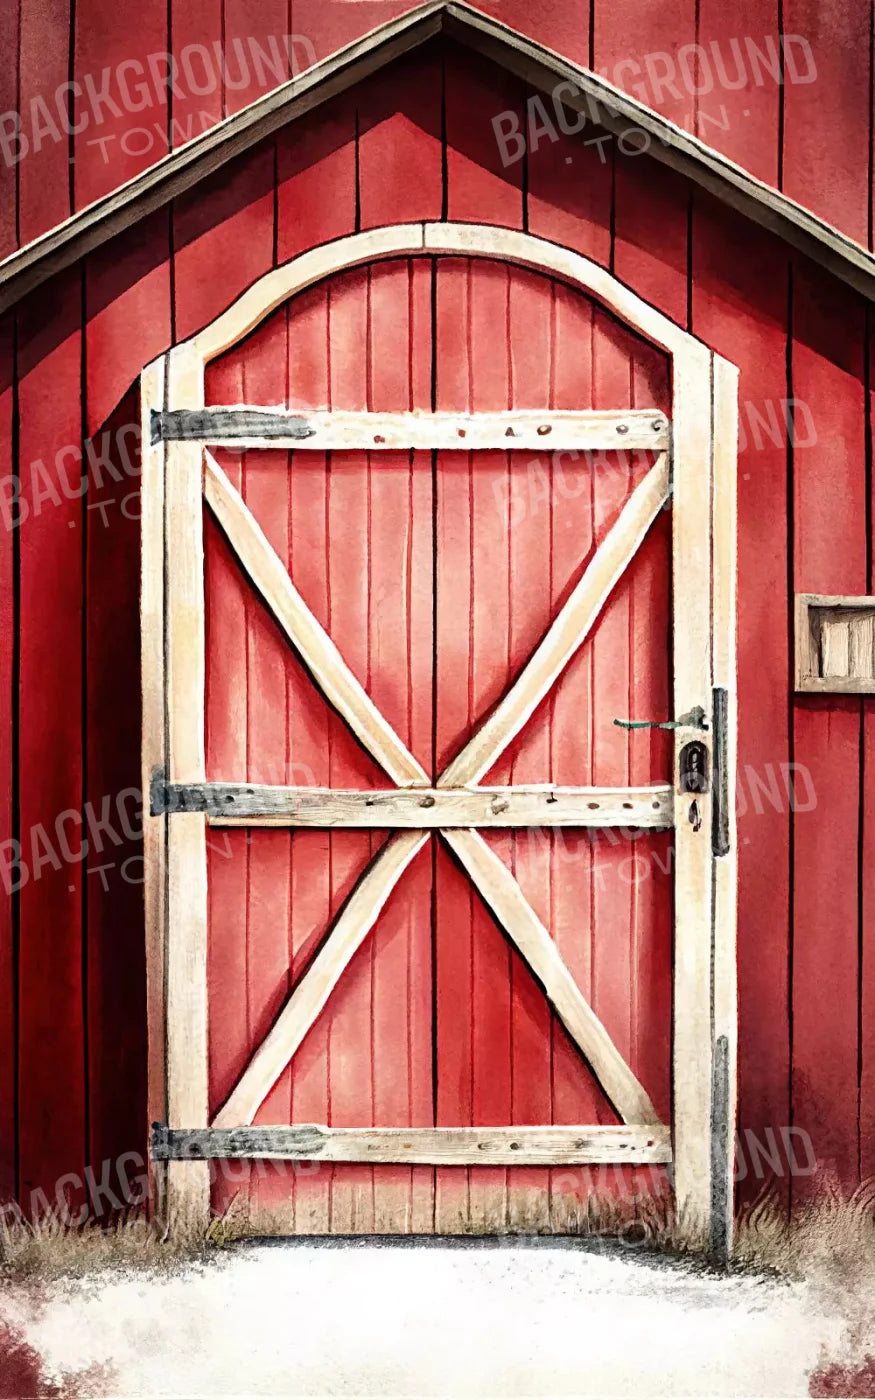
{"points": [[533, 430]]}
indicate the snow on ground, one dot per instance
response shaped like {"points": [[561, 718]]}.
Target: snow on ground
{"points": [[366, 1319]]}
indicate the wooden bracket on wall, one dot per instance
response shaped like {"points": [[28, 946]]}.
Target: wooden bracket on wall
{"points": [[835, 644]]}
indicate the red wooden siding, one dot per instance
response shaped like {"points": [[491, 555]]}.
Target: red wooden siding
{"points": [[716, 70], [805, 522]]}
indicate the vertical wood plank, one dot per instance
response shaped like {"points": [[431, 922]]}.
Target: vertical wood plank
{"points": [[822, 124], [126, 304], [739, 98], [489, 671], [9, 22], [454, 599], [647, 867], [229, 602], [725, 874], [349, 573], [188, 1200], [691, 516], [223, 238], [266, 482], [866, 1166], [8, 795], [316, 179], [256, 52], [741, 308], [829, 557], [44, 172], [649, 39], [569, 192], [530, 325], [329, 24], [401, 625], [480, 189], [611, 668], [124, 134], [399, 147], [189, 112], [154, 756], [52, 1049], [115, 1030], [576, 1097], [651, 232], [309, 729], [128, 314], [561, 27]]}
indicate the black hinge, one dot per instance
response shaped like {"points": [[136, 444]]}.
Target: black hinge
{"points": [[218, 425], [721, 796]]}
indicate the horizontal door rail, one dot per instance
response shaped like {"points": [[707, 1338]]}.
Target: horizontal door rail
{"points": [[516, 429], [515, 1146], [248, 804]]}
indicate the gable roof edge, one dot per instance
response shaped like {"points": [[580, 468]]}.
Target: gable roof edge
{"points": [[583, 91]]}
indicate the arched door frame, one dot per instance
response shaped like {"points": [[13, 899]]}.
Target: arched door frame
{"points": [[703, 447]]}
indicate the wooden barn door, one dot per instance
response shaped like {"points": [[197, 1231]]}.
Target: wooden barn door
{"points": [[438, 546]]}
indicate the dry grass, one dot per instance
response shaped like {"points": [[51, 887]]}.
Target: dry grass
{"points": [[828, 1243], [49, 1247]]}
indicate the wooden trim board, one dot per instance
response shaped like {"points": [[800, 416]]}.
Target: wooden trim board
{"points": [[514, 1146], [628, 430], [244, 804], [154, 753], [188, 1191]]}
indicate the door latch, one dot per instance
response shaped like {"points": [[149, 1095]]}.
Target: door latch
{"points": [[693, 773], [693, 719]]}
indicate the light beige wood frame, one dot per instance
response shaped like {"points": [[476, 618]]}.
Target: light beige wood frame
{"points": [[336, 430], [703, 465]]}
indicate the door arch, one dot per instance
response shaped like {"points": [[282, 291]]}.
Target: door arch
{"points": [[696, 466]]}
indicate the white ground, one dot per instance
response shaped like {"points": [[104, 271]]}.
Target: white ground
{"points": [[544, 1320]]}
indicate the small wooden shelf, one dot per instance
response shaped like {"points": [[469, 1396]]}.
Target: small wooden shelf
{"points": [[835, 644]]}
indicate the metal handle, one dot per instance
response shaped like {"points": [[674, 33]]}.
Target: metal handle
{"points": [[693, 719]]}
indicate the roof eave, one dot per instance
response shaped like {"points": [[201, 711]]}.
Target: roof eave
{"points": [[582, 91]]}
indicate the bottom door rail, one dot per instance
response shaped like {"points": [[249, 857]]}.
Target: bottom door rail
{"points": [[500, 1146]]}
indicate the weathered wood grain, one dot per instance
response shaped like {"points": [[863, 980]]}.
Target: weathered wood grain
{"points": [[512, 1146], [251, 804], [332, 431]]}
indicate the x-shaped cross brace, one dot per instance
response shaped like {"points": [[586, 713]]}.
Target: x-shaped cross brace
{"points": [[490, 875]]}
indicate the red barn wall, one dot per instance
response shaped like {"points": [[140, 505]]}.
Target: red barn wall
{"points": [[804, 126], [417, 143]]}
